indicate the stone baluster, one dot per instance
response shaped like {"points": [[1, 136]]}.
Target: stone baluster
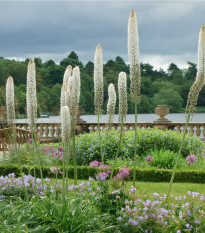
{"points": [[57, 130], [115, 126], [178, 128], [92, 128], [198, 130], [191, 129], [52, 131], [46, 130], [203, 132], [40, 131], [127, 126]]}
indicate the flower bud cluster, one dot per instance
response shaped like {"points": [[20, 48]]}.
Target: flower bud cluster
{"points": [[70, 92], [98, 80], [111, 103], [65, 124], [10, 101], [122, 90], [31, 94], [134, 57], [200, 77]]}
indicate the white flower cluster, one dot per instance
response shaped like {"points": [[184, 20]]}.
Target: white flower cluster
{"points": [[67, 75], [134, 57], [122, 91], [111, 103], [10, 101], [200, 77], [98, 80], [70, 92], [65, 124], [31, 94]]}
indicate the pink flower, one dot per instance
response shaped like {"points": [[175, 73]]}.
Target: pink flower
{"points": [[191, 159], [122, 174], [54, 169], [149, 158], [95, 163]]}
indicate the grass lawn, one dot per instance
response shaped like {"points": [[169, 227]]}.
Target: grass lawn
{"points": [[148, 188]]}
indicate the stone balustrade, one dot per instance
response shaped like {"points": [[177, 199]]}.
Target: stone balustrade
{"points": [[51, 131]]}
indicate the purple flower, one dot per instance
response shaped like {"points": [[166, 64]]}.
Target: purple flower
{"points": [[132, 222], [149, 158], [191, 159]]}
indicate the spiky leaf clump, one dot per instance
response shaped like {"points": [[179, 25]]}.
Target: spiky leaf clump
{"points": [[134, 57]]}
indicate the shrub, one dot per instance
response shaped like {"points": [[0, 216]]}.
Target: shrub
{"points": [[162, 158], [146, 175], [88, 145]]}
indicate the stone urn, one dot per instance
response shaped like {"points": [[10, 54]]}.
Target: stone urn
{"points": [[162, 111]]}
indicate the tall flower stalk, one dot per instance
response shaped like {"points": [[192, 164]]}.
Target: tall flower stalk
{"points": [[65, 132], [110, 111], [111, 105], [72, 98], [135, 77], [98, 89], [10, 107], [67, 75], [122, 91], [192, 97], [31, 96]]}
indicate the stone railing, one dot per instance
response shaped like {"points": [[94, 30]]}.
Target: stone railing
{"points": [[51, 131]]}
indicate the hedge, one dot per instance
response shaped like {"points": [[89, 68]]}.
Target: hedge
{"points": [[146, 175]]}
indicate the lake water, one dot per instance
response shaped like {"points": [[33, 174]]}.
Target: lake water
{"points": [[142, 118]]}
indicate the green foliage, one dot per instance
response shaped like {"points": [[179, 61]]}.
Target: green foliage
{"points": [[88, 145], [163, 158], [157, 86]]}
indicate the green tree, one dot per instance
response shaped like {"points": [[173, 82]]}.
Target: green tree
{"points": [[170, 97]]}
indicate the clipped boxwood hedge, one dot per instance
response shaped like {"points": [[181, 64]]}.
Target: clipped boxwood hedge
{"points": [[146, 175], [88, 145]]}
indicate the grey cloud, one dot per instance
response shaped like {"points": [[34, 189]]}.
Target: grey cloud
{"points": [[56, 28]]}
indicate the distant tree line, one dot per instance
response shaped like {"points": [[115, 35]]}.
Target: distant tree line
{"points": [[157, 86]]}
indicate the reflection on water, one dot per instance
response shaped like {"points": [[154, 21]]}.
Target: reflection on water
{"points": [[141, 118]]}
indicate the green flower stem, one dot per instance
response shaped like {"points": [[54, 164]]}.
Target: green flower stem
{"points": [[135, 143], [178, 156], [100, 138], [74, 154], [118, 150]]}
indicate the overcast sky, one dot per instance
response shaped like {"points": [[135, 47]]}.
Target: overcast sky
{"points": [[168, 30]]}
